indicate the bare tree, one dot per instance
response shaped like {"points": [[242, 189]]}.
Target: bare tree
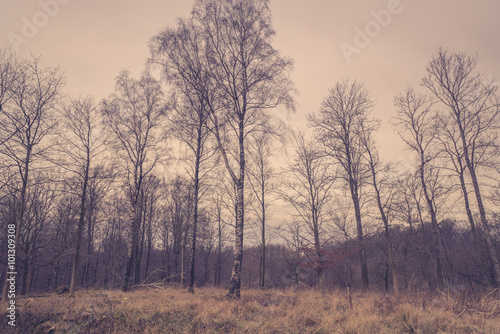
{"points": [[180, 52], [9, 70], [208, 232], [27, 122], [218, 202], [179, 215], [407, 210], [80, 142], [418, 124], [339, 127], [35, 246], [134, 115], [452, 151], [341, 217], [309, 191], [261, 177], [474, 106], [250, 76], [150, 199], [101, 179], [292, 257], [383, 195]]}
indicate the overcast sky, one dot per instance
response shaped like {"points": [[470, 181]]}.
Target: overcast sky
{"points": [[93, 40]]}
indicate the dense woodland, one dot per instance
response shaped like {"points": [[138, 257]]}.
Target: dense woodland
{"points": [[176, 176]]}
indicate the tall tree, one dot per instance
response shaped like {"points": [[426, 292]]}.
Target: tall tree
{"points": [[474, 106], [452, 151], [407, 210], [180, 52], [309, 191], [81, 142], [217, 200], [179, 214], [9, 68], [29, 119], [134, 115], [38, 230], [380, 181], [100, 181], [418, 129], [261, 177], [150, 200], [339, 127], [251, 77]]}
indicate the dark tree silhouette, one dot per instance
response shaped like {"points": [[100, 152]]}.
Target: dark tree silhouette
{"points": [[134, 115], [339, 127]]}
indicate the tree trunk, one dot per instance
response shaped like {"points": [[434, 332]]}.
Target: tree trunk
{"points": [[388, 242], [30, 280], [90, 237], [140, 245], [434, 225], [262, 271], [193, 237], [81, 223], [317, 246], [484, 221], [183, 257], [24, 276], [387, 235], [131, 254], [467, 207], [357, 211], [354, 189], [205, 278], [195, 213], [235, 281], [362, 253], [219, 250], [148, 255]]}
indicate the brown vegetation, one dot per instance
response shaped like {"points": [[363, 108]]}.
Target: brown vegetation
{"points": [[171, 310]]}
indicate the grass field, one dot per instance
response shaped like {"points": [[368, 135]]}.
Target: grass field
{"points": [[173, 310]]}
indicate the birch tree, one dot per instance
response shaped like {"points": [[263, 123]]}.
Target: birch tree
{"points": [[181, 54], [251, 77]]}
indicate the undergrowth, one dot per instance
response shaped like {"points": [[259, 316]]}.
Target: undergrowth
{"points": [[173, 310]]}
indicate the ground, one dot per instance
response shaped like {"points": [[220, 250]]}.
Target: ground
{"points": [[174, 310]]}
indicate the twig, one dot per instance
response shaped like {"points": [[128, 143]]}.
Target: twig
{"points": [[489, 294], [307, 286]]}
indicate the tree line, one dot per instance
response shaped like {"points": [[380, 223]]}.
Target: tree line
{"points": [[161, 181]]}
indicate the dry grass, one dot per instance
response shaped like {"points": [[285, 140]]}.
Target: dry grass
{"points": [[171, 310]]}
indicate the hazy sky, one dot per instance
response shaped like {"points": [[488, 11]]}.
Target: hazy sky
{"points": [[93, 40]]}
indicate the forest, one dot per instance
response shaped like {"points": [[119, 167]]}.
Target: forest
{"points": [[192, 174]]}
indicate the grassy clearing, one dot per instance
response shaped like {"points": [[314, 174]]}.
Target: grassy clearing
{"points": [[171, 310]]}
